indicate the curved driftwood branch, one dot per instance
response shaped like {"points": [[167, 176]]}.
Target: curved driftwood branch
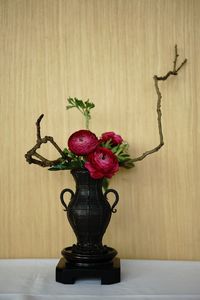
{"points": [[42, 161], [159, 97]]}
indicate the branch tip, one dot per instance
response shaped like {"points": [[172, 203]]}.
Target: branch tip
{"points": [[158, 108], [42, 161]]}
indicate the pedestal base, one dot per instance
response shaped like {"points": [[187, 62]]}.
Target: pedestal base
{"points": [[68, 273]]}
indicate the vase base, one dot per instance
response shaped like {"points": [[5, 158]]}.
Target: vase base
{"points": [[68, 273], [89, 259]]}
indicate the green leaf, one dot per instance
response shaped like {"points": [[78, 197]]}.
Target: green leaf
{"points": [[105, 183], [128, 164], [107, 144], [123, 159], [65, 150], [79, 103], [114, 149], [67, 166], [89, 104], [69, 106], [71, 100], [124, 155], [83, 107], [57, 167]]}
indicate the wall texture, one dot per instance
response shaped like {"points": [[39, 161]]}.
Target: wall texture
{"points": [[107, 51]]}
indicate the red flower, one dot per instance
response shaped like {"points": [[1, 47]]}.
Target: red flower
{"points": [[115, 138], [82, 142], [102, 163]]}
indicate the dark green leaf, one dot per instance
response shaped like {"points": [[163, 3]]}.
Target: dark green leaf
{"points": [[57, 167], [71, 101], [128, 164], [69, 106], [123, 157], [114, 149], [105, 183], [65, 150], [79, 103], [107, 144], [66, 166], [89, 105]]}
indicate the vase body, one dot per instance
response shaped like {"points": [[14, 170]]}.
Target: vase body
{"points": [[89, 214]]}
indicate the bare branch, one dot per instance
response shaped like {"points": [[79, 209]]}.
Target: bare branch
{"points": [[176, 58], [38, 126], [159, 97], [42, 161]]}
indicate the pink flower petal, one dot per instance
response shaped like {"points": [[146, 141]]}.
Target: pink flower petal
{"points": [[94, 173]]}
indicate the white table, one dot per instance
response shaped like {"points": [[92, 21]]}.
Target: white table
{"points": [[34, 279]]}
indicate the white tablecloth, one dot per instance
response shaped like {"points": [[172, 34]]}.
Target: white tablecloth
{"points": [[34, 279]]}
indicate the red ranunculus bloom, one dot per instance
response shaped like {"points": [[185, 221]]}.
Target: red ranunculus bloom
{"points": [[82, 142], [102, 163], [115, 138]]}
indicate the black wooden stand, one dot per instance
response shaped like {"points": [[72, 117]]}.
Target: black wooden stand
{"points": [[68, 273]]}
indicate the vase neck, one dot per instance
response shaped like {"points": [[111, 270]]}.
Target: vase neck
{"points": [[82, 178]]}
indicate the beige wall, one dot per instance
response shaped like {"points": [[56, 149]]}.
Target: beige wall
{"points": [[107, 51]]}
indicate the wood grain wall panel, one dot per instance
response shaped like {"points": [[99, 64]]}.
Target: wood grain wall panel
{"points": [[107, 51]]}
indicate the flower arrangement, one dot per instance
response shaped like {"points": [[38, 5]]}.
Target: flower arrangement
{"points": [[101, 156]]}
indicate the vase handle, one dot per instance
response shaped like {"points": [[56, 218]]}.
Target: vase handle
{"points": [[113, 209], [62, 199]]}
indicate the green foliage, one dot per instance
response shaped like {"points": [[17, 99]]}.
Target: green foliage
{"points": [[127, 163], [72, 162], [83, 106], [121, 151], [66, 166]]}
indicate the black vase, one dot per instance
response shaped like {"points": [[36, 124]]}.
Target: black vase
{"points": [[89, 214]]}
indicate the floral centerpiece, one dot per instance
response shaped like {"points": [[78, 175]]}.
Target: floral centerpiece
{"points": [[93, 161], [101, 156]]}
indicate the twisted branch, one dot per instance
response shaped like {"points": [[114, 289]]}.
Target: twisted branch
{"points": [[42, 161], [159, 97]]}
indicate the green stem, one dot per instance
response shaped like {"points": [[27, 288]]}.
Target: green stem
{"points": [[86, 122], [86, 118]]}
